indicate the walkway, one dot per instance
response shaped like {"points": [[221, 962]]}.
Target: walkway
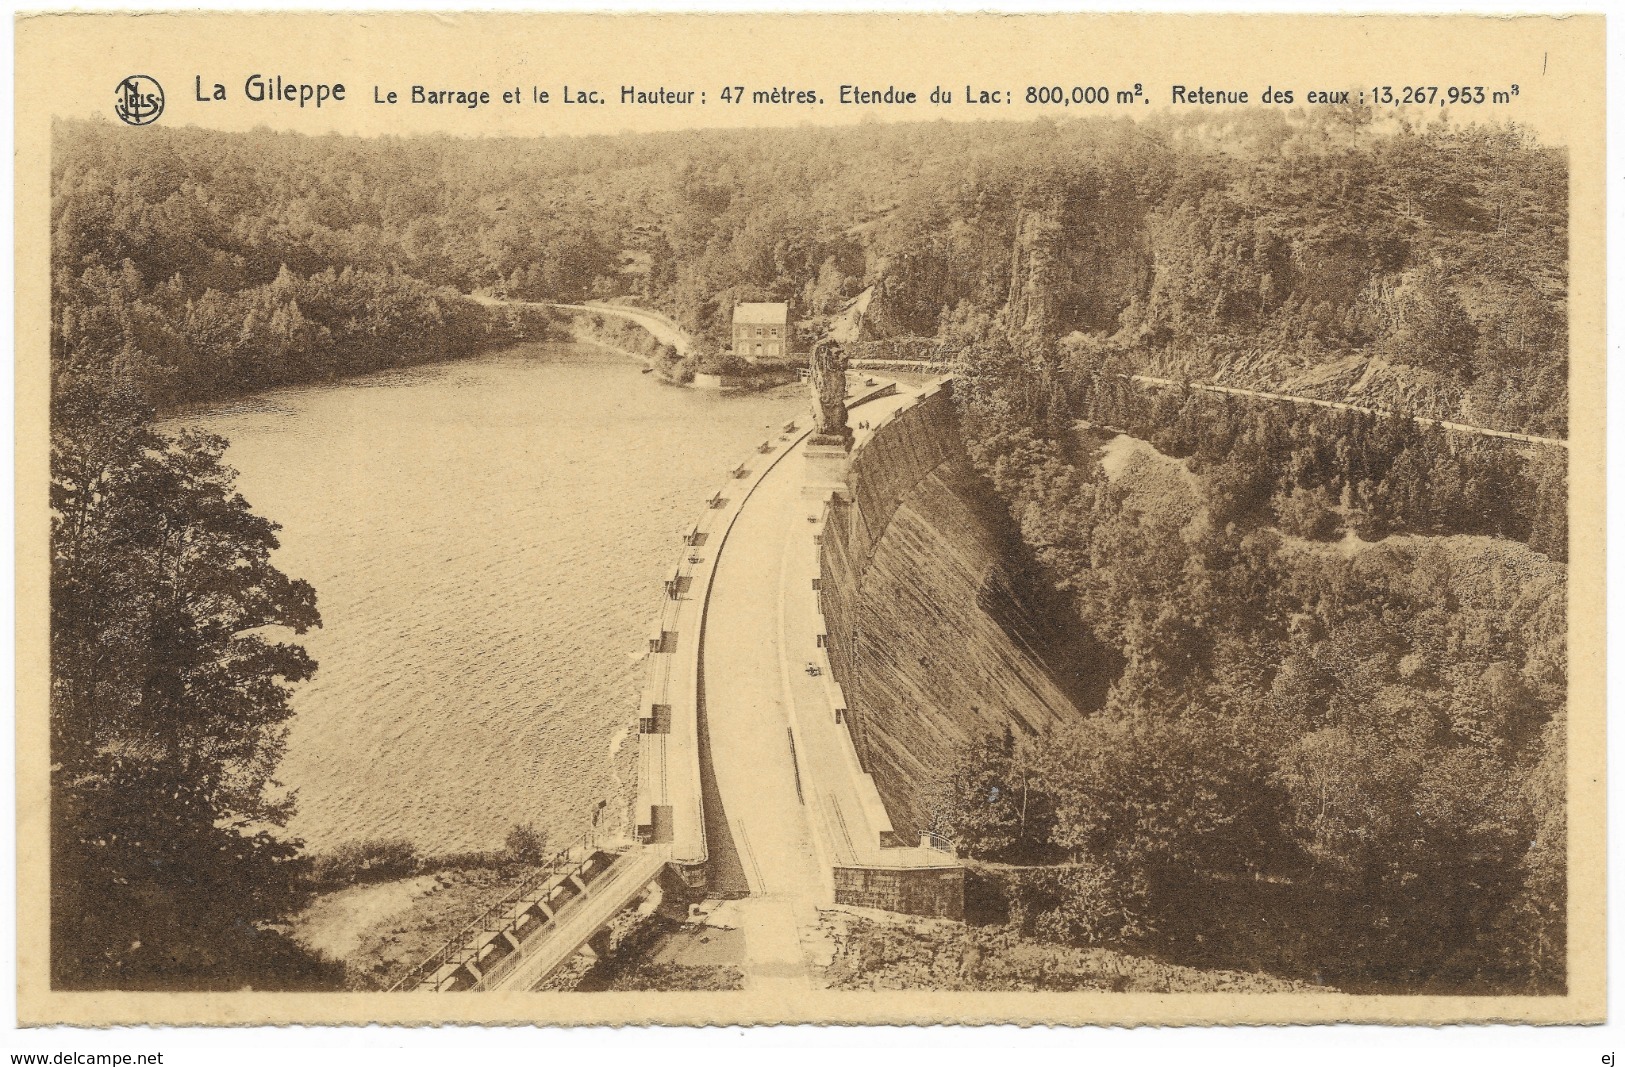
{"points": [[776, 774], [576, 923], [520, 940]]}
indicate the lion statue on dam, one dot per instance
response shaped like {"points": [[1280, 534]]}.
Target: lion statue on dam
{"points": [[828, 367]]}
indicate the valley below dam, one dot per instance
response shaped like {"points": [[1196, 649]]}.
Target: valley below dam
{"points": [[487, 540]]}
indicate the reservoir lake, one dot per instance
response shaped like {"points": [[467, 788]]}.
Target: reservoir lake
{"points": [[487, 539]]}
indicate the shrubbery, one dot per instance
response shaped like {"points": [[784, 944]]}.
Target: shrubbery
{"points": [[356, 862], [724, 363], [384, 859], [1077, 904], [527, 843]]}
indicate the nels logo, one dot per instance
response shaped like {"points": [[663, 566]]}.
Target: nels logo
{"points": [[139, 100]]}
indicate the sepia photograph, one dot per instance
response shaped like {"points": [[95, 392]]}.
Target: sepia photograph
{"points": [[846, 562]]}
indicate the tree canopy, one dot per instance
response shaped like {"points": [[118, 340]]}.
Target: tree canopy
{"points": [[169, 702], [1415, 267], [1336, 725]]}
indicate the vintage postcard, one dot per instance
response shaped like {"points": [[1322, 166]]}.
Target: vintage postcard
{"points": [[874, 518]]}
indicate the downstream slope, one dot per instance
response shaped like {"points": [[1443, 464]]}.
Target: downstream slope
{"points": [[930, 634]]}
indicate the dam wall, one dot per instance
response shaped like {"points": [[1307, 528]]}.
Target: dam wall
{"points": [[669, 808], [928, 634]]}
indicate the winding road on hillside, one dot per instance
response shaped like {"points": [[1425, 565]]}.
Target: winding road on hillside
{"points": [[666, 331], [663, 328], [925, 365], [1309, 401]]}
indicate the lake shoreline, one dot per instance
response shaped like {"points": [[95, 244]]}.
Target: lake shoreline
{"points": [[487, 538]]}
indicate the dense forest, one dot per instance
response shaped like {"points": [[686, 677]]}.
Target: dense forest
{"points": [[1328, 255], [1331, 753], [194, 266], [1337, 651]]}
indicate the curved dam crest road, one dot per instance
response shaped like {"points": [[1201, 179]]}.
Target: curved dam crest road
{"points": [[754, 644], [758, 629], [754, 671]]}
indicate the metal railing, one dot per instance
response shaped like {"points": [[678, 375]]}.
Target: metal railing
{"points": [[466, 944], [592, 889]]}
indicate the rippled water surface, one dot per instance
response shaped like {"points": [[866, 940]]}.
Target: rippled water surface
{"points": [[487, 541]]}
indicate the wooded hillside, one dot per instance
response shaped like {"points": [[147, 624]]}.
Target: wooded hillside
{"points": [[1423, 268], [1335, 674]]}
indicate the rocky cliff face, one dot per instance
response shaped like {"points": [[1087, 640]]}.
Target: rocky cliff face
{"points": [[931, 636], [1035, 267]]}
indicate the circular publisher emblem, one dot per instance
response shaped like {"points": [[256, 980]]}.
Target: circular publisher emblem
{"points": [[140, 100]]}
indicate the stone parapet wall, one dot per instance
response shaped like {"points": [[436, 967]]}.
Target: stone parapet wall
{"points": [[934, 892]]}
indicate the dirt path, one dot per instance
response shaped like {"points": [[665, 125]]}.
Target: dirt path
{"points": [[664, 329], [336, 923]]}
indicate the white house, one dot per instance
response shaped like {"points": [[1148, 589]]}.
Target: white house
{"points": [[761, 330]]}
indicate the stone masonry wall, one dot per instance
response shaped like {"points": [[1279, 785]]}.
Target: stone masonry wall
{"points": [[933, 892], [928, 636]]}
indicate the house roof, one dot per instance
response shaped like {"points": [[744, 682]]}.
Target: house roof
{"points": [[761, 314]]}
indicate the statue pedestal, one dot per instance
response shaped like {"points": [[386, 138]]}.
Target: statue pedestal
{"points": [[826, 463]]}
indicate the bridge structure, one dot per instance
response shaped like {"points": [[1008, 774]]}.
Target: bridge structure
{"points": [[522, 939], [748, 783]]}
